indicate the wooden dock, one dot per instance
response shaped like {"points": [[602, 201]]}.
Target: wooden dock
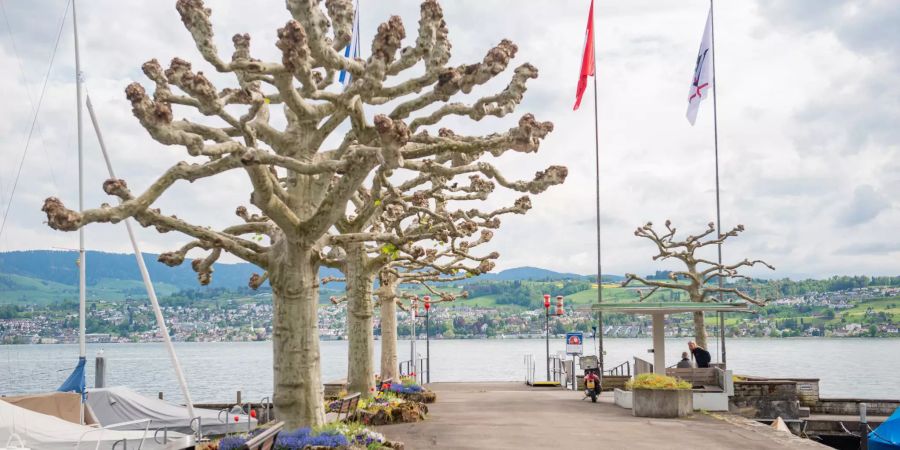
{"points": [[516, 416]]}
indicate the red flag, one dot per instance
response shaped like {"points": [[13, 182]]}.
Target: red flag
{"points": [[587, 60]]}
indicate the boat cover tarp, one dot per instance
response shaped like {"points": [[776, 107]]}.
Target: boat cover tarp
{"points": [[64, 405], [120, 404], [887, 435], [45, 432], [75, 382]]}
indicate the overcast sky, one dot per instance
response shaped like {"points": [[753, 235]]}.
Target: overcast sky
{"points": [[809, 123]]}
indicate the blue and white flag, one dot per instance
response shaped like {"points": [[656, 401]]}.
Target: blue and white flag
{"points": [[353, 47], [702, 81]]}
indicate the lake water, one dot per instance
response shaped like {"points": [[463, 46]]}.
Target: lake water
{"points": [[863, 368]]}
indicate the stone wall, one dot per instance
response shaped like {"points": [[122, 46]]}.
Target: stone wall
{"points": [[766, 399], [850, 406]]}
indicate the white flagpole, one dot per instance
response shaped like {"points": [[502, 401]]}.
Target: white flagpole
{"points": [[597, 195], [151, 292], [82, 262], [716, 139]]}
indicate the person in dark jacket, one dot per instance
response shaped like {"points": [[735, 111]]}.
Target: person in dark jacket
{"points": [[685, 362], [701, 356]]}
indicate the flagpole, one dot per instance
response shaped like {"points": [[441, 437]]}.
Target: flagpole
{"points": [[597, 195], [712, 22]]}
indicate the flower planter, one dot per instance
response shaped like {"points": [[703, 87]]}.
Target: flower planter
{"points": [[662, 403], [421, 397], [403, 413]]}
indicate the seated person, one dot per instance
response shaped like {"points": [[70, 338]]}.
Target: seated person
{"points": [[685, 362]]}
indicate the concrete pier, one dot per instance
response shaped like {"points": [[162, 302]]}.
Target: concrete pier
{"points": [[516, 416]]}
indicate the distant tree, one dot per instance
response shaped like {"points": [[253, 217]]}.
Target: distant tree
{"points": [[699, 274]]}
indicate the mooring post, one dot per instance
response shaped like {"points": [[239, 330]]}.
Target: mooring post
{"points": [[238, 397], [863, 428], [100, 370], [160, 395]]}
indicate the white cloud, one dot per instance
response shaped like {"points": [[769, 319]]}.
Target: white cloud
{"points": [[807, 114]]}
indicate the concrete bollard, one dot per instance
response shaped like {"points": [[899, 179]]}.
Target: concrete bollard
{"points": [[863, 428], [100, 370]]}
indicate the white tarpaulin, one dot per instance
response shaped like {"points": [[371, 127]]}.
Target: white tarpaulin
{"points": [[45, 432], [120, 404]]}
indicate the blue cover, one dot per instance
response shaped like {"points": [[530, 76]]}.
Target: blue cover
{"points": [[887, 435], [75, 382]]}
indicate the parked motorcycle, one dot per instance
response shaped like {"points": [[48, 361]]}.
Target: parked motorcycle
{"points": [[591, 384]]}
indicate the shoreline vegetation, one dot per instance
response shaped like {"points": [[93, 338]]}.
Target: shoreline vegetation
{"points": [[229, 315]]}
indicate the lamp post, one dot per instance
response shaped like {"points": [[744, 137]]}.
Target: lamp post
{"points": [[547, 330], [412, 342], [427, 340]]}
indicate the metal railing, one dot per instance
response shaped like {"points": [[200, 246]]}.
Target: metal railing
{"points": [[529, 369], [557, 371], [641, 366], [406, 370], [623, 369]]}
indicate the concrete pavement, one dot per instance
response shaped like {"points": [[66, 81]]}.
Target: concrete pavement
{"points": [[516, 416]]}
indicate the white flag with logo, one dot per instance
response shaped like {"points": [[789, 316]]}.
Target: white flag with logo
{"points": [[702, 82]]}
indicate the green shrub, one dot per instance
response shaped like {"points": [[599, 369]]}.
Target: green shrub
{"points": [[655, 381]]}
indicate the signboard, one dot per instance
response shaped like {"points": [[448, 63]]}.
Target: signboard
{"points": [[575, 343]]}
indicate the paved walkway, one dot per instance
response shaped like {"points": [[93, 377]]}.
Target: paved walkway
{"points": [[515, 416]]}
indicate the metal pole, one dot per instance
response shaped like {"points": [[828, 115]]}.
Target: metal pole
{"points": [[716, 138], [597, 192], [412, 316], [427, 348], [82, 260], [145, 276], [547, 334]]}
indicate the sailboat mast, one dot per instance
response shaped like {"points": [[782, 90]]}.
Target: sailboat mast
{"points": [[82, 284]]}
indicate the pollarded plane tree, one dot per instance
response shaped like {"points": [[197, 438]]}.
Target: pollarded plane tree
{"points": [[701, 277], [453, 261], [389, 219], [300, 187]]}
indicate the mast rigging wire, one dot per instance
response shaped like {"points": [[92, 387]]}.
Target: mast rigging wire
{"points": [[36, 111]]}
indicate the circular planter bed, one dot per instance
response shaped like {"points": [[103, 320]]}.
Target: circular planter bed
{"points": [[421, 397], [403, 413]]}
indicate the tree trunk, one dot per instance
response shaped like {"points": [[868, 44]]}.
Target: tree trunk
{"points": [[299, 393], [696, 294], [360, 354], [700, 330], [389, 339], [387, 296]]}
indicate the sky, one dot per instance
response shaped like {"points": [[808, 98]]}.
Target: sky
{"points": [[808, 107]]}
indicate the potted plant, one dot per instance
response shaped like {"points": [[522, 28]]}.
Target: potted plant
{"points": [[660, 396]]}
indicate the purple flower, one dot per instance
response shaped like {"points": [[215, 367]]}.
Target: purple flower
{"points": [[300, 438], [231, 443]]}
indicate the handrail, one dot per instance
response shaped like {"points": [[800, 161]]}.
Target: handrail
{"points": [[406, 366], [529, 368], [642, 366], [265, 402], [623, 369], [120, 424]]}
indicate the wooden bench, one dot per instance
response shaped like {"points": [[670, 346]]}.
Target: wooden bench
{"points": [[700, 378], [346, 408], [264, 440]]}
